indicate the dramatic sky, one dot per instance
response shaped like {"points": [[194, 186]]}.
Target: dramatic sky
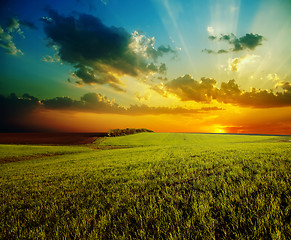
{"points": [[166, 65]]}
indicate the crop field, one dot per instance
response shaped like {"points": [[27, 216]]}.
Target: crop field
{"points": [[148, 186]]}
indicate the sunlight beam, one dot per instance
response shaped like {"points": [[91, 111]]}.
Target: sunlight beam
{"points": [[175, 24]]}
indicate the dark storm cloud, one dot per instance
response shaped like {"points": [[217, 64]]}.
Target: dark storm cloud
{"points": [[249, 41], [100, 54], [14, 109], [86, 39], [188, 89], [13, 104]]}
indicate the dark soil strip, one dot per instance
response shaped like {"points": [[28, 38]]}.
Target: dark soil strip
{"points": [[49, 138], [28, 157]]}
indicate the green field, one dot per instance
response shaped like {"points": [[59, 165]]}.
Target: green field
{"points": [[148, 186]]}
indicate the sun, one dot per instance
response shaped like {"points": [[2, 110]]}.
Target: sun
{"points": [[220, 130]]}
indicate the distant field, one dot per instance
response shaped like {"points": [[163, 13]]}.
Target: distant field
{"points": [[148, 186]]}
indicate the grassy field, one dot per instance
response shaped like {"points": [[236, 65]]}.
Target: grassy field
{"points": [[148, 186]]}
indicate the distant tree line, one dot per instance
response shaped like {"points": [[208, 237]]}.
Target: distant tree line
{"points": [[126, 131]]}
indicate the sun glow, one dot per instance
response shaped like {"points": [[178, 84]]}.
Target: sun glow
{"points": [[220, 130]]}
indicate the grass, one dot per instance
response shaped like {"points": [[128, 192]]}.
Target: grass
{"points": [[152, 186]]}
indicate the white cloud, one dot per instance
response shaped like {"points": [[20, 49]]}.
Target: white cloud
{"points": [[235, 64], [210, 30], [140, 43]]}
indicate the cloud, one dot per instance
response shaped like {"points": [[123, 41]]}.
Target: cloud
{"points": [[144, 97], [248, 42], [210, 30], [88, 75], [101, 54], [188, 89], [162, 78], [14, 26], [211, 108], [212, 37], [17, 113], [286, 86], [273, 77], [6, 37], [163, 50], [209, 51], [90, 102], [48, 58], [222, 51], [47, 19], [54, 58], [235, 64], [163, 68], [145, 46], [15, 109], [98, 103], [145, 109]]}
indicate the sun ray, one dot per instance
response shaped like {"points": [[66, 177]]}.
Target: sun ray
{"points": [[273, 22], [224, 17], [178, 32]]}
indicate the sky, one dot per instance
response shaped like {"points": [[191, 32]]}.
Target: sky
{"points": [[213, 66]]}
